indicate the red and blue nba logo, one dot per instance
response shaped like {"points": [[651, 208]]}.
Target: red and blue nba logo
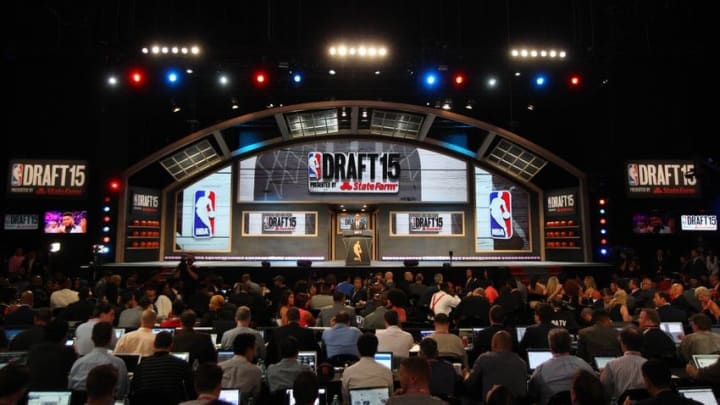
{"points": [[204, 223], [315, 165], [501, 215], [17, 174]]}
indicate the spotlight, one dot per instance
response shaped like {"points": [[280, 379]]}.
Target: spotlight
{"points": [[574, 81], [155, 49], [137, 77], [172, 77], [55, 247], [234, 104], [332, 72], [447, 105], [195, 50], [164, 49], [175, 107], [260, 78], [112, 81], [492, 82], [459, 79], [145, 50], [430, 79], [377, 73], [297, 78], [540, 80], [223, 80], [174, 49], [183, 50], [106, 229]]}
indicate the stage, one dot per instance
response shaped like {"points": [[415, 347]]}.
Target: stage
{"points": [[232, 270]]}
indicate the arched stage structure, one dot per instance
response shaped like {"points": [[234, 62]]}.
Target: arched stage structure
{"points": [[283, 185]]}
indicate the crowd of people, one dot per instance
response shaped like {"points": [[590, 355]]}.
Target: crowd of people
{"points": [[478, 331]]}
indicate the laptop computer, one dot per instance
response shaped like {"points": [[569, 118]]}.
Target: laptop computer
{"points": [[384, 358], [520, 332], [182, 355], [704, 395], [601, 361], [319, 401], [11, 333], [370, 396], [537, 356], [49, 398], [131, 360], [119, 332], [224, 355], [468, 336], [230, 396], [308, 358], [673, 329], [213, 338], [425, 333], [158, 330], [705, 360], [14, 357]]}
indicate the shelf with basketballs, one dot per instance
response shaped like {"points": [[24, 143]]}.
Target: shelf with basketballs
{"points": [[562, 235], [143, 234]]}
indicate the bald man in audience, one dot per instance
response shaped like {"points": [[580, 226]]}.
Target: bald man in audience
{"points": [[501, 366], [141, 341]]}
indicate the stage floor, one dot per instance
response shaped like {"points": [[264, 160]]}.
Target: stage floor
{"points": [[335, 264]]}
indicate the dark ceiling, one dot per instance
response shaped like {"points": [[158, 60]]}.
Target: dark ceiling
{"points": [[643, 65]]}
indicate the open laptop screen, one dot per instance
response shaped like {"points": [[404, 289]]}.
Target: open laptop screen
{"points": [[319, 401], [230, 396], [601, 361], [308, 358], [182, 355], [384, 358], [370, 396], [49, 398], [674, 329], [704, 395], [224, 355], [705, 360], [520, 332], [537, 357]]}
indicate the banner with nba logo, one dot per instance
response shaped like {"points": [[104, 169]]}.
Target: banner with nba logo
{"points": [[661, 178], [502, 214], [48, 178], [500, 210], [204, 219]]}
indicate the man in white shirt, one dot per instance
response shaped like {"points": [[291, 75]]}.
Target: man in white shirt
{"points": [[443, 301], [239, 372], [102, 313], [366, 372], [625, 373], [64, 296], [393, 339], [141, 341], [243, 318]]}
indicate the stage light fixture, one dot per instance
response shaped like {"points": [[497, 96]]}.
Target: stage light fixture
{"points": [[106, 218], [535, 53], [602, 201], [297, 78], [175, 108], [172, 77], [145, 50], [260, 78], [459, 79], [540, 80], [447, 105], [189, 71], [377, 73], [234, 104], [106, 229], [155, 49], [137, 77], [517, 74], [195, 50], [431, 79], [602, 211], [55, 247], [355, 50], [106, 209], [332, 72], [603, 221], [531, 107], [174, 49], [575, 81], [114, 185], [603, 251], [491, 82], [603, 241], [106, 239], [112, 81], [164, 49], [223, 80], [603, 231]]}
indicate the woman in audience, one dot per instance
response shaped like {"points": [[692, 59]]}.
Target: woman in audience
{"points": [[709, 307], [618, 308], [536, 291], [552, 288], [287, 300]]}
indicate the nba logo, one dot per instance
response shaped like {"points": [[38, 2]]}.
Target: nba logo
{"points": [[500, 215], [204, 224], [17, 174], [314, 166], [633, 179]]}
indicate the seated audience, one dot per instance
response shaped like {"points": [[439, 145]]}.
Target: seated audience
{"points": [[305, 338], [658, 382], [101, 384], [601, 339], [443, 377], [280, 376], [414, 376], [305, 388], [50, 361], [101, 335], [14, 383], [208, 383], [243, 317], [199, 345], [393, 339], [624, 373], [501, 366], [162, 374], [366, 372], [341, 338], [702, 340], [239, 372], [141, 341], [586, 389], [449, 345]]}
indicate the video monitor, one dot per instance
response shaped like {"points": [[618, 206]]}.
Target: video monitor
{"points": [[704, 395], [11, 333], [601, 361], [65, 221], [705, 360], [520, 332], [653, 223], [674, 329], [319, 401], [230, 396], [182, 356], [224, 356]]}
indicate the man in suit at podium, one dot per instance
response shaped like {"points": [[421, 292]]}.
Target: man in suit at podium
{"points": [[359, 223]]}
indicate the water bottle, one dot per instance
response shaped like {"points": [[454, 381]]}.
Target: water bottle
{"points": [[336, 400]]}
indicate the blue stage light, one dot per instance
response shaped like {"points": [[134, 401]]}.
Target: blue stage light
{"points": [[297, 78], [540, 80], [172, 77], [106, 209], [106, 229], [603, 252], [603, 231], [431, 79]]}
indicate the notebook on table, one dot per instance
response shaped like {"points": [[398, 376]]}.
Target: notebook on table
{"points": [[49, 398], [319, 401], [704, 395], [537, 357], [308, 358], [384, 358], [601, 361], [369, 396], [705, 360], [230, 396]]}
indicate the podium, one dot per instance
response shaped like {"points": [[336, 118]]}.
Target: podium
{"points": [[358, 247]]}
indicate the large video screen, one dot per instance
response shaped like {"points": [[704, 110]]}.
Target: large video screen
{"points": [[502, 214], [346, 170], [65, 221], [654, 223], [203, 214]]}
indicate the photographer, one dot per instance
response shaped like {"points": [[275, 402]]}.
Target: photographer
{"points": [[188, 273]]}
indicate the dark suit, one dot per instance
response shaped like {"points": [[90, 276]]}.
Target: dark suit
{"points": [[22, 315], [667, 398], [671, 313], [536, 337], [683, 304], [305, 338], [50, 365], [27, 338], [199, 345], [483, 339], [597, 340], [166, 375], [472, 311], [658, 345]]}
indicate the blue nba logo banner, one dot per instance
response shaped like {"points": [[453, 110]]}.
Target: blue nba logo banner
{"points": [[204, 224], [501, 215]]}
